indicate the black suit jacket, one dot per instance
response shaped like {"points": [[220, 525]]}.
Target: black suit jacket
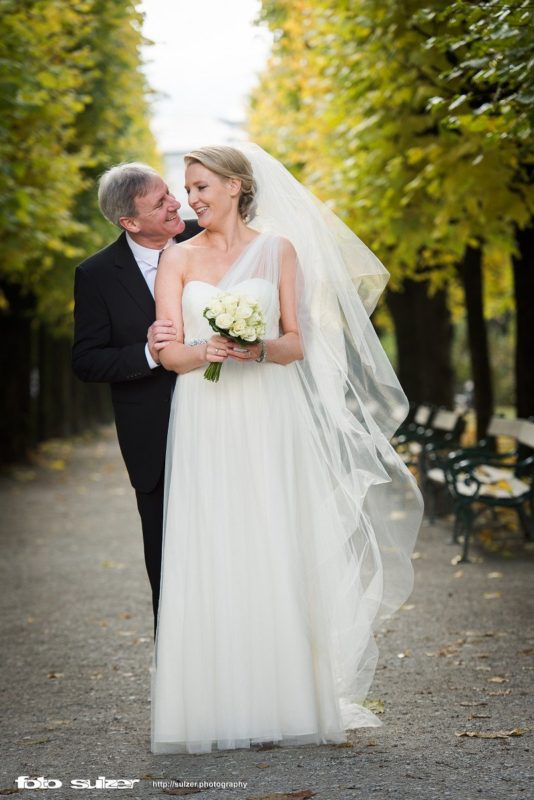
{"points": [[112, 312]]}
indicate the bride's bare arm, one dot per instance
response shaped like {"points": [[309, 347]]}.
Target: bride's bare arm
{"points": [[177, 356], [288, 347]]}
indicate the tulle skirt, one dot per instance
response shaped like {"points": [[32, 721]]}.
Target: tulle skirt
{"points": [[270, 582]]}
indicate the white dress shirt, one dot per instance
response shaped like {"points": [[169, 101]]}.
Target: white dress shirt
{"points": [[147, 260]]}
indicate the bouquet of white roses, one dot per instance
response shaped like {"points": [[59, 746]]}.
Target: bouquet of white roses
{"points": [[239, 318]]}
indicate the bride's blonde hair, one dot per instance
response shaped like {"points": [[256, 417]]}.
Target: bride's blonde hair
{"points": [[227, 162]]}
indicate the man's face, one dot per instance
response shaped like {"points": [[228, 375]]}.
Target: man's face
{"points": [[157, 219]]}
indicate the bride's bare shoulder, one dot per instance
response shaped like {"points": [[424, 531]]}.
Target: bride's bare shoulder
{"points": [[193, 244], [178, 255], [287, 251]]}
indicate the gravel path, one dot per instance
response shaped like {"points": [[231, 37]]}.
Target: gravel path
{"points": [[76, 649]]}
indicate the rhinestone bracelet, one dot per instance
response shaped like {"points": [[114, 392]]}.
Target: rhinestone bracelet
{"points": [[193, 342], [263, 354]]}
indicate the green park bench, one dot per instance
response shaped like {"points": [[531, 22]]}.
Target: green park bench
{"points": [[479, 480], [443, 430], [435, 458]]}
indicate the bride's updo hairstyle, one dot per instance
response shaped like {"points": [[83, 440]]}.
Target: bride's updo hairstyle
{"points": [[227, 162]]}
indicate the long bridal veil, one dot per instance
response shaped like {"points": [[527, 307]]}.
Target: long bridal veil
{"points": [[356, 403]]}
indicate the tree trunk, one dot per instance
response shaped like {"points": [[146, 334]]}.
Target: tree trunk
{"points": [[472, 278], [423, 333], [18, 378], [523, 266], [40, 397]]}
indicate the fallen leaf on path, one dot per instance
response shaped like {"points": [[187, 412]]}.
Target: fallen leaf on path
{"points": [[31, 742], [54, 676], [498, 679], [479, 716], [492, 595], [406, 654], [481, 703], [341, 745], [451, 649], [493, 575], [408, 607], [303, 795], [416, 555], [376, 706], [24, 475], [526, 652], [263, 765], [500, 693], [492, 734], [10, 790], [58, 465], [458, 574]]}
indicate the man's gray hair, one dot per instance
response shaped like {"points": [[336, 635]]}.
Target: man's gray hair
{"points": [[120, 185]]}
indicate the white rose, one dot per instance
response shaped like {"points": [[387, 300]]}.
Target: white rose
{"points": [[249, 335], [238, 327], [228, 299], [216, 307], [243, 311], [224, 321], [210, 314]]}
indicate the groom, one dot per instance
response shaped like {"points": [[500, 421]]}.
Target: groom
{"points": [[118, 341]]}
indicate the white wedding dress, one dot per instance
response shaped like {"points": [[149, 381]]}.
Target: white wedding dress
{"points": [[267, 605]]}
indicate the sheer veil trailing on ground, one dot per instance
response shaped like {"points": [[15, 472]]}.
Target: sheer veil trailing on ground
{"points": [[357, 404]]}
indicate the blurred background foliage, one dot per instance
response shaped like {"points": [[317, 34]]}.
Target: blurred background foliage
{"points": [[412, 120], [73, 101]]}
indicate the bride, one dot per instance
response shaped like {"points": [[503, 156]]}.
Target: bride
{"points": [[289, 519]]}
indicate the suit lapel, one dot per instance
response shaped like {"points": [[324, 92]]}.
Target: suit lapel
{"points": [[131, 277]]}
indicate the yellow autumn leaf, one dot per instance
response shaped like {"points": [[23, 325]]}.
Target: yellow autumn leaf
{"points": [[492, 734]]}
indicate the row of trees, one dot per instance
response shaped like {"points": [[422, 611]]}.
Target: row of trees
{"points": [[413, 119], [73, 101]]}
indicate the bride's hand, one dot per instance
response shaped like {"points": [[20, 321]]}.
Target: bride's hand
{"points": [[217, 349], [241, 353]]}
